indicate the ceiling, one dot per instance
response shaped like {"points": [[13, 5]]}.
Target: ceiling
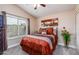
{"points": [[44, 11]]}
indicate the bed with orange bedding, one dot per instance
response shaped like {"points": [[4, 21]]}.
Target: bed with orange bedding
{"points": [[39, 44]]}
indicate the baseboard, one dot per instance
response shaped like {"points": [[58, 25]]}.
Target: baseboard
{"points": [[69, 45], [13, 45]]}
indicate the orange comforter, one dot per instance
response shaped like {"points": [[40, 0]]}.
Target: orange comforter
{"points": [[35, 46]]}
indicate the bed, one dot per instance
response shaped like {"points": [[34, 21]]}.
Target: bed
{"points": [[40, 44]]}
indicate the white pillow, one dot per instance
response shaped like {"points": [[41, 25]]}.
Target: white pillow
{"points": [[44, 33]]}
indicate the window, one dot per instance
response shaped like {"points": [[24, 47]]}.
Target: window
{"points": [[12, 27], [16, 26], [22, 27]]}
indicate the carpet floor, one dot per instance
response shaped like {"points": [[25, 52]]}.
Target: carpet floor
{"points": [[60, 50]]}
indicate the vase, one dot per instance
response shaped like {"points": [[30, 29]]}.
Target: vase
{"points": [[66, 43]]}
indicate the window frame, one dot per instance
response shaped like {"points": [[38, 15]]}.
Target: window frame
{"points": [[18, 18]]}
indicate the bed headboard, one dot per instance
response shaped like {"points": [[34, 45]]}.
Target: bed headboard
{"points": [[49, 25]]}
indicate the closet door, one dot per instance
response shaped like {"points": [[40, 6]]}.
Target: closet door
{"points": [[77, 30]]}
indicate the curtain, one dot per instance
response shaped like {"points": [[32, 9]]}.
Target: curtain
{"points": [[4, 32], [28, 26]]}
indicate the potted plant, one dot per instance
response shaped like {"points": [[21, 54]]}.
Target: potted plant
{"points": [[66, 36]]}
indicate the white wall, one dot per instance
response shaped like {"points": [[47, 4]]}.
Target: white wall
{"points": [[77, 26], [13, 9], [66, 19], [77, 30]]}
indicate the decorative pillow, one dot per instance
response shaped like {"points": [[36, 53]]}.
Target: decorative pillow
{"points": [[42, 30], [44, 33], [55, 30], [49, 31]]}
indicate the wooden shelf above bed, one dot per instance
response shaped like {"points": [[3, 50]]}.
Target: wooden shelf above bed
{"points": [[49, 22]]}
